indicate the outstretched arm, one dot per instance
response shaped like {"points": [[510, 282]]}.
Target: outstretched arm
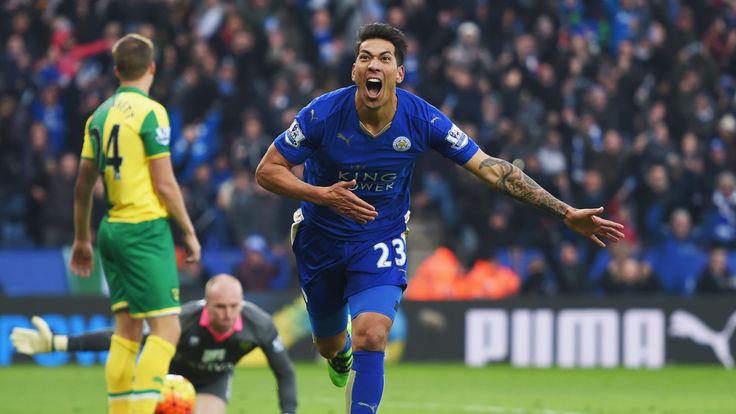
{"points": [[509, 179], [42, 339], [282, 368], [274, 174]]}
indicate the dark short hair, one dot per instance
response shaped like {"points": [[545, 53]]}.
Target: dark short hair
{"points": [[133, 55], [386, 32]]}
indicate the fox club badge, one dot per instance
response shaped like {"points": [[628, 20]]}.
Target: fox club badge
{"points": [[402, 144]]}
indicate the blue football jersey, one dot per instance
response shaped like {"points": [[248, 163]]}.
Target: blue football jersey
{"points": [[326, 136]]}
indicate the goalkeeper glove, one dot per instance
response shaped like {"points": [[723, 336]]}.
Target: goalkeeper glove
{"points": [[39, 340]]}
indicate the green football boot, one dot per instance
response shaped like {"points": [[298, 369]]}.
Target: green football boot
{"points": [[339, 367]]}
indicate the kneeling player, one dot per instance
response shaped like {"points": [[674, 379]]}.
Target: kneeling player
{"points": [[215, 334]]}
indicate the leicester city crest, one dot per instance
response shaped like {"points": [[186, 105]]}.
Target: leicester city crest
{"points": [[402, 144]]}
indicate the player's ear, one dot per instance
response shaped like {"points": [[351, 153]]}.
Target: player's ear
{"points": [[352, 73], [400, 75], [116, 72], [152, 68]]}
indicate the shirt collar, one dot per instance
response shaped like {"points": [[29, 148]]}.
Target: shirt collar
{"points": [[204, 320], [130, 89]]}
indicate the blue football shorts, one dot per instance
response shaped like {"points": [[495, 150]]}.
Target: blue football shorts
{"points": [[339, 277]]}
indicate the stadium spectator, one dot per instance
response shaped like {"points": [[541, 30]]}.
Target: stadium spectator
{"points": [[654, 198], [552, 159], [58, 205], [37, 159], [248, 148], [197, 146], [11, 142], [236, 200], [570, 267], [487, 280], [200, 199], [676, 257], [435, 277], [727, 133], [611, 161], [721, 220], [628, 275], [16, 71], [717, 278], [257, 268], [592, 192], [50, 111], [717, 160]]}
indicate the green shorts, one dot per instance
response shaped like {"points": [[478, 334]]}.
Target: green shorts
{"points": [[140, 267]]}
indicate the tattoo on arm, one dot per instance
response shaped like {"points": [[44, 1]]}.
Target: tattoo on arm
{"points": [[520, 186]]}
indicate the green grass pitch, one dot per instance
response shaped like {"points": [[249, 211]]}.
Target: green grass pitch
{"points": [[416, 388]]}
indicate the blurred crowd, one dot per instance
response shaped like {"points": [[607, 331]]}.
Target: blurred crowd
{"points": [[627, 104]]}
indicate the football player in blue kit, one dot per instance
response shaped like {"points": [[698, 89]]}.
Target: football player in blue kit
{"points": [[359, 145]]}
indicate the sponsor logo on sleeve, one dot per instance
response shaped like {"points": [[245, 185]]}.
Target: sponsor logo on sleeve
{"points": [[456, 137], [163, 135], [278, 346], [294, 135]]}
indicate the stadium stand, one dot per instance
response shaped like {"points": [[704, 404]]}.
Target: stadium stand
{"points": [[626, 104]]}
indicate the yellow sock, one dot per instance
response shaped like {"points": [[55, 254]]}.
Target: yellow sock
{"points": [[149, 373], [119, 374]]}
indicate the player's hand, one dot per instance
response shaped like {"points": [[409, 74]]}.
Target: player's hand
{"points": [[587, 223], [194, 250], [339, 198], [81, 263], [33, 341]]}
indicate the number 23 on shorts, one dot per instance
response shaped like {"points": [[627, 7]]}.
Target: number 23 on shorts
{"points": [[398, 245]]}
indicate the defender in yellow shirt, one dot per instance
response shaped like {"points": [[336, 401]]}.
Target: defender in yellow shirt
{"points": [[126, 142]]}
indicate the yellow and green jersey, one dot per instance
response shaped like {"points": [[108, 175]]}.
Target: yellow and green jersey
{"points": [[121, 137]]}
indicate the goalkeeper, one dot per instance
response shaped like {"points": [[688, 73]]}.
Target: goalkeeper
{"points": [[216, 333]]}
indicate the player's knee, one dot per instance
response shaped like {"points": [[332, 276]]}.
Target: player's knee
{"points": [[175, 333], [166, 327], [370, 338], [172, 332], [128, 328], [328, 349]]}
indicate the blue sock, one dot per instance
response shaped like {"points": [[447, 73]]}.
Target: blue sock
{"points": [[348, 345], [367, 387]]}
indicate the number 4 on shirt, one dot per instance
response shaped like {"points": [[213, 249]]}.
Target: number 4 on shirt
{"points": [[104, 159]]}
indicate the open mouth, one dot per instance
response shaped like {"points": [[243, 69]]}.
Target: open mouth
{"points": [[373, 87]]}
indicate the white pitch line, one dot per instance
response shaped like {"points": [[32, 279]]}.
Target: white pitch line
{"points": [[455, 408]]}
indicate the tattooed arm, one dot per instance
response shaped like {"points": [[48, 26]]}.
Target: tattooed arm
{"points": [[509, 179]]}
